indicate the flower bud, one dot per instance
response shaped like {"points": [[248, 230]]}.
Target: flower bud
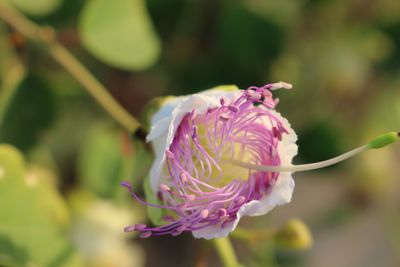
{"points": [[294, 235]]}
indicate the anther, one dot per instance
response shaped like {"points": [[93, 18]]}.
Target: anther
{"points": [[224, 118], [222, 212], [253, 95], [240, 200], [222, 101], [145, 234], [183, 177], [280, 85], [276, 133], [204, 213], [127, 185], [169, 154], [233, 109], [165, 188], [190, 197], [130, 228], [140, 227], [195, 131]]}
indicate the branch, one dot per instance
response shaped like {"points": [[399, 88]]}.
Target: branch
{"points": [[45, 37]]}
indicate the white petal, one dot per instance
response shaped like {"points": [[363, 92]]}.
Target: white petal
{"points": [[281, 192], [166, 121]]}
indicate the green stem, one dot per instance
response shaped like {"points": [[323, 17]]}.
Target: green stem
{"points": [[45, 37], [226, 252]]}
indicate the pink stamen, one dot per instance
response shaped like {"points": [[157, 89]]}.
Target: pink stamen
{"points": [[195, 187]]}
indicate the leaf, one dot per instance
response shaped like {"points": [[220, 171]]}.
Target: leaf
{"points": [[11, 255], [100, 160], [29, 113], [33, 215], [119, 33], [12, 71], [37, 7], [107, 157]]}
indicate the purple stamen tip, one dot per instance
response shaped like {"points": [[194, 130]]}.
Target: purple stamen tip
{"points": [[145, 234], [224, 118], [233, 109], [130, 228], [169, 154], [204, 213], [195, 130], [164, 187], [222, 212], [126, 184], [183, 177], [240, 200], [140, 227], [195, 186], [191, 197]]}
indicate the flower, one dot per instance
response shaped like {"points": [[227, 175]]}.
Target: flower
{"points": [[195, 139]]}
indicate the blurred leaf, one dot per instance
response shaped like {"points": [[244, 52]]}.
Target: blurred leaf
{"points": [[319, 141], [107, 157], [119, 33], [33, 214], [36, 7], [11, 255], [30, 112], [12, 72], [100, 160]]}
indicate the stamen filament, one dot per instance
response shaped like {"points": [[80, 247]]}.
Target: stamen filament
{"points": [[378, 142], [302, 167]]}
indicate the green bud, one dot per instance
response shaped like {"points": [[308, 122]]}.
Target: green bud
{"points": [[384, 140], [294, 235]]}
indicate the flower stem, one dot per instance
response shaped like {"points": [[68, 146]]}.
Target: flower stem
{"points": [[226, 252], [45, 37], [379, 142]]}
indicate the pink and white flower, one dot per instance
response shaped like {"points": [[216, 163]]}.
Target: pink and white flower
{"points": [[196, 138]]}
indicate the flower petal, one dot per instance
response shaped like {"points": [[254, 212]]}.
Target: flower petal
{"points": [[166, 121], [281, 192]]}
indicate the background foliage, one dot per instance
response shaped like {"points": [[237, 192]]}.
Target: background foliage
{"points": [[62, 157]]}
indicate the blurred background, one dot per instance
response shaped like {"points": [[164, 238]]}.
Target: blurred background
{"points": [[62, 157]]}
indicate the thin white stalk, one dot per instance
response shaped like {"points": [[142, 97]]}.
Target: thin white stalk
{"points": [[302, 167]]}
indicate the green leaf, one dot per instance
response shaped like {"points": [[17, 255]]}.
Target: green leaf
{"points": [[11, 255], [33, 216], [12, 71], [119, 33], [100, 160], [37, 7], [29, 113]]}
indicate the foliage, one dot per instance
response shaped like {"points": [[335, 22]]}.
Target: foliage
{"points": [[62, 157]]}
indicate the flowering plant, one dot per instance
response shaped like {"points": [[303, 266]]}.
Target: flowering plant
{"points": [[223, 154], [195, 139]]}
